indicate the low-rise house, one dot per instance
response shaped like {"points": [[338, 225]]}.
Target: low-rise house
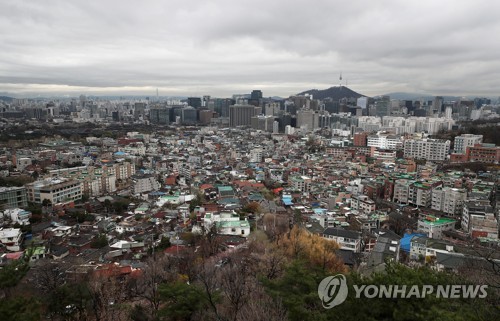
{"points": [[11, 238], [426, 248], [17, 215], [435, 226], [346, 239], [385, 249], [227, 224]]}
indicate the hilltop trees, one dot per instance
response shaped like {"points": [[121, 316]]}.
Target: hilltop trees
{"points": [[314, 249]]}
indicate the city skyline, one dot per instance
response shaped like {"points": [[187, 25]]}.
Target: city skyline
{"points": [[222, 47]]}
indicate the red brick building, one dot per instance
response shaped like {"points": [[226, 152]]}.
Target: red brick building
{"points": [[486, 153], [360, 139]]}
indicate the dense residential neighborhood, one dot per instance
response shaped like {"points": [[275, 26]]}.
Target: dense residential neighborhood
{"points": [[104, 188]]}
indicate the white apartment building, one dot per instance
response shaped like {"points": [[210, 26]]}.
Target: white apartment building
{"points": [[466, 140], [405, 125], [256, 155], [449, 200], [369, 123], [385, 141], [54, 190], [428, 149], [420, 194], [300, 183], [401, 191], [96, 181], [145, 184]]}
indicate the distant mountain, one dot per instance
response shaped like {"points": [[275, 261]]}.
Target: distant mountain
{"points": [[335, 93], [6, 99], [417, 96]]}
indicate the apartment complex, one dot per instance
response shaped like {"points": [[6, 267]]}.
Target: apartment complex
{"points": [[428, 149], [415, 193], [449, 200]]}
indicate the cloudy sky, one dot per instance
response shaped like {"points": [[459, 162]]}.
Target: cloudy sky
{"points": [[221, 47]]}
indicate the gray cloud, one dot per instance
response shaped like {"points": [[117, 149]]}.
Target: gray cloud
{"points": [[222, 47]]}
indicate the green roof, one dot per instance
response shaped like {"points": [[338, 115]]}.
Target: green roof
{"points": [[439, 221], [233, 224]]}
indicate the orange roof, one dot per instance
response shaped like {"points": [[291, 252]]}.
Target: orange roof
{"points": [[248, 184], [174, 249], [14, 256], [277, 190], [113, 269]]}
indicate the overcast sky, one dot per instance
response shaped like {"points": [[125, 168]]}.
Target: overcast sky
{"points": [[221, 47]]}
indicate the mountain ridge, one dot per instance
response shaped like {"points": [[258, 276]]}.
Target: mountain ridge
{"points": [[335, 92]]}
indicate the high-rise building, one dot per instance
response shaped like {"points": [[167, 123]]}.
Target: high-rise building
{"points": [[437, 105], [220, 106], [194, 102], [383, 106], [159, 115], [307, 119], [206, 116], [448, 112], [272, 109], [188, 115], [276, 127], [241, 115], [362, 102], [139, 110], [262, 122], [256, 95], [205, 101]]}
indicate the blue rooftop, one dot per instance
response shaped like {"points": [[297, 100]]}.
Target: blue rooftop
{"points": [[406, 240]]}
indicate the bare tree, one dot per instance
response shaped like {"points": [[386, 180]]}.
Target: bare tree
{"points": [[48, 276], [145, 287], [209, 281], [261, 306], [108, 295]]}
